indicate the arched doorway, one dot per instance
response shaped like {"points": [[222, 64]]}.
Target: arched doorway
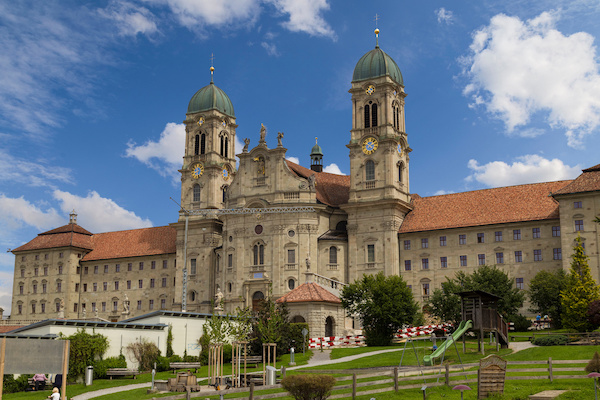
{"points": [[298, 319], [329, 326], [257, 298]]}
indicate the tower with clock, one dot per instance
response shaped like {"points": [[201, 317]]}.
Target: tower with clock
{"points": [[379, 189]]}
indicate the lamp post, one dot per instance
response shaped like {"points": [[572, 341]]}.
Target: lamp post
{"points": [[594, 375]]}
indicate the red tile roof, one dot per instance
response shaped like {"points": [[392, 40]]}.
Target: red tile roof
{"points": [[309, 292], [589, 181], [133, 243], [70, 235], [8, 328], [484, 207], [332, 189]]}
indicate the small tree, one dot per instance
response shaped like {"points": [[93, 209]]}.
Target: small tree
{"points": [[144, 352], [84, 349], [170, 341], [594, 364], [580, 290], [445, 303], [544, 293], [383, 304], [309, 386]]}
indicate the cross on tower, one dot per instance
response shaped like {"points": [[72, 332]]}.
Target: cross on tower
{"points": [[376, 19]]}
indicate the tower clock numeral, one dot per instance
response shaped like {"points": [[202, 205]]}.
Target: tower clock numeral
{"points": [[369, 145]]}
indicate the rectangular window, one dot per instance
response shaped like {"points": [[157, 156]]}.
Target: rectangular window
{"points": [[153, 265], [193, 266], [518, 256], [85, 270], [106, 269], [129, 266], [557, 253], [578, 225], [105, 286], [77, 287], [520, 283], [128, 284], [141, 283], [444, 262], [60, 255], [141, 265], [498, 236], [78, 270], [94, 307], [34, 288], [425, 289], [462, 239], [139, 304], [517, 234], [45, 271], [463, 261], [164, 282], [96, 269], [59, 287], [152, 282], [37, 257], [116, 285], [45, 256], [407, 245], [371, 253], [442, 240], [43, 306], [60, 269], [535, 233], [103, 306], [499, 258], [165, 264], [481, 259], [537, 255], [115, 305], [117, 267], [291, 256], [229, 260], [555, 231], [480, 238], [577, 204], [36, 271], [425, 263], [163, 304], [424, 243], [151, 305], [95, 287], [75, 307], [407, 265]]}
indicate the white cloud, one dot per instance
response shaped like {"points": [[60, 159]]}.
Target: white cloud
{"points": [[305, 16], [444, 16], [99, 214], [527, 169], [166, 155], [333, 169], [16, 212], [295, 160], [6, 282], [442, 192], [31, 173], [130, 19], [270, 48], [519, 68]]}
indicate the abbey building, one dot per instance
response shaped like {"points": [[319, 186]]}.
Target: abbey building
{"points": [[270, 227]]}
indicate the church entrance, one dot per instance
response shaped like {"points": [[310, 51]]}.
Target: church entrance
{"points": [[329, 326], [257, 298]]}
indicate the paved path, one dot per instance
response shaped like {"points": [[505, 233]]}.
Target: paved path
{"points": [[518, 346], [102, 392]]}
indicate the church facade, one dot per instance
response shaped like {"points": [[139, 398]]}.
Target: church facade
{"points": [[272, 228]]}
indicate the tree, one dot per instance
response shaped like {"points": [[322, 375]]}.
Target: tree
{"points": [[84, 349], [494, 281], [382, 303], [144, 352], [544, 293], [445, 303], [580, 291]]}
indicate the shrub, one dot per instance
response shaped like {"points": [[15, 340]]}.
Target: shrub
{"points": [[84, 349], [594, 364], [100, 366], [145, 353], [12, 385], [309, 386], [162, 363], [521, 322], [293, 337], [550, 340]]}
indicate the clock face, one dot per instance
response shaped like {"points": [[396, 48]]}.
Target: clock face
{"points": [[226, 173], [370, 90], [369, 145], [201, 121], [399, 149], [197, 171], [224, 123]]}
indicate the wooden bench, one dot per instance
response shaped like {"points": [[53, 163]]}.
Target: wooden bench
{"points": [[185, 365], [121, 372], [31, 384], [254, 360]]}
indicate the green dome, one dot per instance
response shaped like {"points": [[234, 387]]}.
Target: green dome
{"points": [[211, 98], [316, 151], [374, 64]]}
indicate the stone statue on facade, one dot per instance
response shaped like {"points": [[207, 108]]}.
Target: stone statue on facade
{"points": [[246, 144], [312, 182], [61, 309], [84, 313], [263, 135], [219, 300], [279, 137], [126, 305], [308, 262]]}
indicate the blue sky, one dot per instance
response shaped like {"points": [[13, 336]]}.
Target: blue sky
{"points": [[93, 95]]}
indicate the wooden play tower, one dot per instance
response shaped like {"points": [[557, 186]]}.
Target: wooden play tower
{"points": [[482, 308]]}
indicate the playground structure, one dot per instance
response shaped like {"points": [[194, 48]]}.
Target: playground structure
{"points": [[479, 314]]}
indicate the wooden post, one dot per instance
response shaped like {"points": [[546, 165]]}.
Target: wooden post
{"points": [[550, 368], [395, 379], [497, 341], [353, 386], [282, 371], [447, 374], [63, 389], [2, 352], [251, 394]]}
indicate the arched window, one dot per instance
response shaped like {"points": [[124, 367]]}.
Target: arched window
{"points": [[222, 148], [196, 193], [298, 319], [291, 284], [400, 172], [367, 116], [329, 326], [193, 296], [397, 117], [203, 144], [374, 115], [224, 190], [257, 299], [229, 287], [226, 154], [259, 254], [333, 255], [370, 170], [395, 111], [224, 145], [197, 145]]}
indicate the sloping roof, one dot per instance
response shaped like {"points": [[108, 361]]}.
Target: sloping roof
{"points": [[332, 189], [8, 328], [484, 207], [589, 181], [309, 292], [70, 235], [133, 243]]}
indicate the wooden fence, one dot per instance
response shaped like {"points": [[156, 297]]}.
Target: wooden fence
{"points": [[395, 379]]}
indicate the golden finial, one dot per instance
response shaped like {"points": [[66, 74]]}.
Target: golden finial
{"points": [[376, 31], [316, 140], [212, 68]]}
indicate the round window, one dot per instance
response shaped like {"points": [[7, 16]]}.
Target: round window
{"points": [[291, 233], [258, 229], [291, 284], [230, 239]]}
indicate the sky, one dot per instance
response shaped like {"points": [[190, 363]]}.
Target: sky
{"points": [[93, 95]]}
